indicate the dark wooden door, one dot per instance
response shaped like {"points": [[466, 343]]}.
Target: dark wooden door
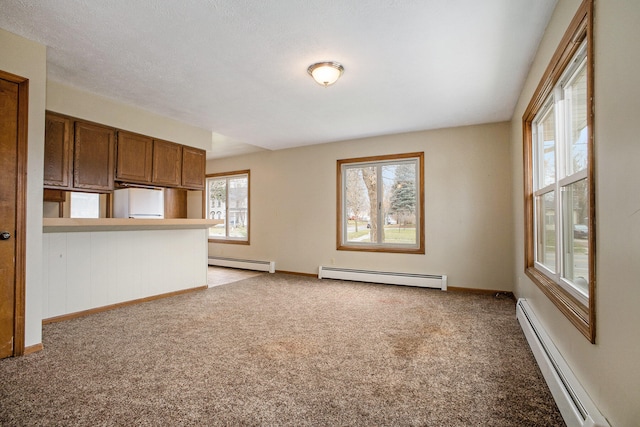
{"points": [[8, 201]]}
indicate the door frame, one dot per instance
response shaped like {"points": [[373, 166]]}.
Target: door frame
{"points": [[21, 211]]}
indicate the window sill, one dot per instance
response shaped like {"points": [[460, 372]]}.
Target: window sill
{"points": [[576, 312], [229, 241], [395, 250]]}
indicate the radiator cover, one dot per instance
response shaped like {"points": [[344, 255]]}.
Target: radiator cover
{"points": [[246, 264], [386, 277], [575, 405]]}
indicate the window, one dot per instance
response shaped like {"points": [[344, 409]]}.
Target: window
{"points": [[380, 204], [558, 148], [227, 199]]}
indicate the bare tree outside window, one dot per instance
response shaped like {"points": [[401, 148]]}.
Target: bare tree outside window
{"points": [[356, 199]]}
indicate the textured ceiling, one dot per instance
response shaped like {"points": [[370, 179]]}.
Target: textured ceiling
{"points": [[238, 67]]}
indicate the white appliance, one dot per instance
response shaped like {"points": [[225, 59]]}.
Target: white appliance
{"points": [[138, 203]]}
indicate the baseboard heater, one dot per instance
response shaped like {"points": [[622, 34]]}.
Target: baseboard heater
{"points": [[574, 404], [246, 264], [407, 279]]}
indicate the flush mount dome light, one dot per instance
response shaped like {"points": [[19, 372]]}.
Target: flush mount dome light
{"points": [[325, 73]]}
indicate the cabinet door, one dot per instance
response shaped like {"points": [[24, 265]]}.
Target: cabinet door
{"points": [[57, 151], [193, 168], [93, 157], [167, 163], [134, 157]]}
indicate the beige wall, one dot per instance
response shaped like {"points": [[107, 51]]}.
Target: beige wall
{"points": [[77, 103], [28, 59], [468, 206], [609, 369]]}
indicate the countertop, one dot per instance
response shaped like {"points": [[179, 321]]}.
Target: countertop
{"points": [[62, 225]]}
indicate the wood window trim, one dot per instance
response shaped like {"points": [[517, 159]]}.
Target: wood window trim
{"points": [[581, 28], [205, 197], [420, 250]]}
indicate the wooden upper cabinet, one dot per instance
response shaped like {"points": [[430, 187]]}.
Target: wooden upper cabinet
{"points": [[93, 157], [167, 163], [57, 151], [141, 159], [85, 156], [193, 168], [134, 157]]}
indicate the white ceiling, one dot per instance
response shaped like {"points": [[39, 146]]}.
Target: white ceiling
{"points": [[239, 67]]}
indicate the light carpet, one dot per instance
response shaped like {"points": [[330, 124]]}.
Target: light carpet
{"points": [[285, 350]]}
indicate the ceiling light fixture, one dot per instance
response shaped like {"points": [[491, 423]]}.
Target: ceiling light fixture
{"points": [[325, 73]]}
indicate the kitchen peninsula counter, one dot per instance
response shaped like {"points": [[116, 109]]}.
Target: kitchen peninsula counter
{"points": [[57, 225], [93, 264]]}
